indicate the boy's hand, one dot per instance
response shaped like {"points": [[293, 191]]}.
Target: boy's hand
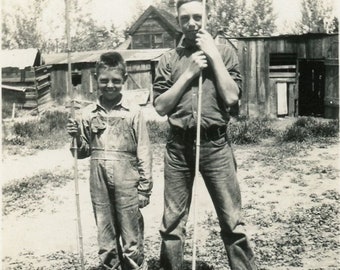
{"points": [[206, 43], [72, 128], [143, 200], [197, 63]]}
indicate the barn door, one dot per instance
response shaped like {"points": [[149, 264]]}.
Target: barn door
{"points": [[311, 87]]}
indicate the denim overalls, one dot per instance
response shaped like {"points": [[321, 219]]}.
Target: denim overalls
{"points": [[119, 147]]}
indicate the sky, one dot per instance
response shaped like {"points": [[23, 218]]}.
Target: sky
{"points": [[121, 12]]}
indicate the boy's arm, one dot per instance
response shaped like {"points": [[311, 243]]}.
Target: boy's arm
{"points": [[168, 93], [144, 155], [227, 88]]}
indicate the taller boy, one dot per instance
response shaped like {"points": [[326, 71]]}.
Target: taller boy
{"points": [[175, 92]]}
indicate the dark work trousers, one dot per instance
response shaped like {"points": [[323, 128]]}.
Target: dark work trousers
{"points": [[113, 188], [218, 169]]}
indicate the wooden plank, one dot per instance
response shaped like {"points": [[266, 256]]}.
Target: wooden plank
{"points": [[290, 46], [331, 84], [42, 77], [272, 98], [282, 103], [282, 67], [282, 75], [252, 97], [242, 57], [266, 76], [46, 84], [260, 75], [301, 49], [291, 99]]}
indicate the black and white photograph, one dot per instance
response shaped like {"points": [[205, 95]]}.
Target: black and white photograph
{"points": [[170, 135]]}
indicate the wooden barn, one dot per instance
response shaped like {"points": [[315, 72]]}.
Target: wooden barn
{"points": [[25, 81], [140, 67], [291, 75], [155, 28]]}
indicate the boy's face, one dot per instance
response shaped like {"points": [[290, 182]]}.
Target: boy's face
{"points": [[110, 83], [190, 19]]}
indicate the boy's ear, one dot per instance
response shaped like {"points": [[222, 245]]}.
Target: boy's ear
{"points": [[125, 77], [95, 76]]}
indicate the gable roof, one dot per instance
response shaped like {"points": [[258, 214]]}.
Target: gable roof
{"points": [[21, 58], [165, 16]]}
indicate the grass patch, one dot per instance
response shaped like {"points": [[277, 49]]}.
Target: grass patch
{"points": [[310, 129], [250, 130], [25, 194], [303, 229], [296, 232], [45, 132]]}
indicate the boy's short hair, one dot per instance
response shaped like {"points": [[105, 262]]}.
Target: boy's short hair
{"points": [[181, 2], [111, 60]]}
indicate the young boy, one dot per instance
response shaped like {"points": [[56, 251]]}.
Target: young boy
{"points": [[114, 134], [175, 95]]}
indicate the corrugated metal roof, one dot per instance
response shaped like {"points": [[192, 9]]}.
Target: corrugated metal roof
{"points": [[93, 56], [19, 58]]}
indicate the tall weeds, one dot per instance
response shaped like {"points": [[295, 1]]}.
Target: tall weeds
{"points": [[310, 129]]}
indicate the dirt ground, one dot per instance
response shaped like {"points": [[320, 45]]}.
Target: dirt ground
{"points": [[271, 182]]}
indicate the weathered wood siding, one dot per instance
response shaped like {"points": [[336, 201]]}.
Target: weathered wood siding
{"points": [[259, 87], [59, 83], [139, 77], [153, 33]]}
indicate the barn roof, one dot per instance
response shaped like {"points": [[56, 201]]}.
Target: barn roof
{"points": [[166, 17], [285, 36], [93, 56], [20, 58]]}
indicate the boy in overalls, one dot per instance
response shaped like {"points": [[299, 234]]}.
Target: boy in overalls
{"points": [[114, 134]]}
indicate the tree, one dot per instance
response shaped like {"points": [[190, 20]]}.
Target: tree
{"points": [[262, 18], [89, 36], [21, 31], [236, 18], [316, 16], [227, 16]]}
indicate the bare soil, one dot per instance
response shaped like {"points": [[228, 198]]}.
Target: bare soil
{"points": [[286, 196]]}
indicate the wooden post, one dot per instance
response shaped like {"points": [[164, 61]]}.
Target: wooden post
{"points": [[74, 142], [13, 111]]}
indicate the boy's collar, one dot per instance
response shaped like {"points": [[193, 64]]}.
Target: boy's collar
{"points": [[121, 103]]}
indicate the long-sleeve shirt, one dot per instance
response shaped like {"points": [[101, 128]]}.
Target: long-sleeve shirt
{"points": [[214, 112], [118, 134]]}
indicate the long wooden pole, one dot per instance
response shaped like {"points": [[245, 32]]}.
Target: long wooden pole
{"points": [[74, 142], [198, 147]]}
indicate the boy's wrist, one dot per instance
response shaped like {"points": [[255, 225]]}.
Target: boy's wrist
{"points": [[188, 74]]}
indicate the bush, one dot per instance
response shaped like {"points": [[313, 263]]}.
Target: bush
{"points": [[308, 128], [249, 131], [55, 120], [6, 109], [47, 131]]}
